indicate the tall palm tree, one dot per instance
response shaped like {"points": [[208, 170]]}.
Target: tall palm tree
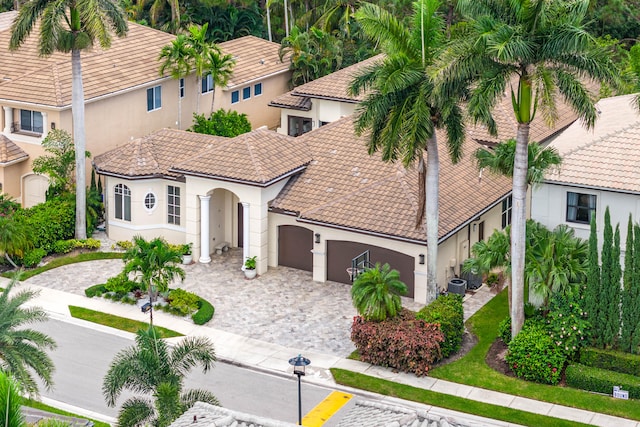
{"points": [[199, 47], [71, 26], [376, 293], [544, 46], [221, 69], [155, 265], [403, 107], [152, 367], [23, 351], [177, 58]]}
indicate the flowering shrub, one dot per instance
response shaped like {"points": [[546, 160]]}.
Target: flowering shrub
{"points": [[534, 356], [402, 342], [566, 324]]}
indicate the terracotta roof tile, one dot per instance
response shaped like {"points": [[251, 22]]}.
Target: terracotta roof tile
{"points": [[6, 18], [255, 57], [288, 100], [345, 186], [10, 152], [260, 156]]}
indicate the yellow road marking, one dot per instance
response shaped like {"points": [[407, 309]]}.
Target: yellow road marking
{"points": [[325, 409]]}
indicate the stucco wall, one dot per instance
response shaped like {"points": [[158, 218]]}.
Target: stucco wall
{"points": [[322, 110]]}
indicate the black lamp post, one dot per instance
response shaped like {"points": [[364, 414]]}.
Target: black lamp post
{"points": [[299, 364]]}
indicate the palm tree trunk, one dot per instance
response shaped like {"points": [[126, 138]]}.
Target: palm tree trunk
{"points": [[518, 228], [432, 191], [286, 19], [268, 20], [213, 97], [77, 109], [198, 85]]}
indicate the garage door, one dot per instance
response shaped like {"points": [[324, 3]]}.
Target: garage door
{"points": [[340, 254], [294, 247]]}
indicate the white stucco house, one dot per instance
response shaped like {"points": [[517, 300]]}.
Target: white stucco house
{"points": [[600, 168]]}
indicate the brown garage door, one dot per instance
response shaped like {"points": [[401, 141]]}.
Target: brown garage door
{"points": [[294, 247], [340, 254]]}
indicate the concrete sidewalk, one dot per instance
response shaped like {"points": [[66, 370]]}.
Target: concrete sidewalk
{"points": [[273, 358]]}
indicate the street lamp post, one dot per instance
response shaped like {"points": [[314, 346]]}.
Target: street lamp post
{"points": [[299, 364]]}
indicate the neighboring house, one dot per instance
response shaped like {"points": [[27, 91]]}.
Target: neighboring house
{"points": [[125, 97], [600, 168]]}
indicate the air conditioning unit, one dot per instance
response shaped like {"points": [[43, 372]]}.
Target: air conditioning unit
{"points": [[457, 286]]}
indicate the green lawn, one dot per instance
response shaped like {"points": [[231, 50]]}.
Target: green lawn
{"points": [[65, 260], [39, 405], [117, 322]]}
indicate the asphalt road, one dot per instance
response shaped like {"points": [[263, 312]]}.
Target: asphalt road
{"points": [[83, 356]]}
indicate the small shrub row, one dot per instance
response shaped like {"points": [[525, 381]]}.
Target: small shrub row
{"points": [[66, 246], [121, 284], [95, 290], [123, 245], [625, 363], [534, 356], [403, 342], [204, 313], [184, 302], [446, 311], [601, 380]]}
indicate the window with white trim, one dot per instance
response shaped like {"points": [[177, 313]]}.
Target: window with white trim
{"points": [[207, 83], [580, 207], [506, 211], [257, 89], [154, 98], [235, 97], [31, 121], [122, 205], [246, 93], [150, 201], [181, 86], [173, 205]]}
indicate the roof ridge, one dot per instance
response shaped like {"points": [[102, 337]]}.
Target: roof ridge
{"points": [[603, 138]]}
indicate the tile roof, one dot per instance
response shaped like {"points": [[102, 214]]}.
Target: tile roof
{"points": [[206, 415], [259, 157], [605, 157], [255, 58], [334, 86], [10, 152], [288, 100], [346, 187], [47, 81], [153, 154], [6, 18]]}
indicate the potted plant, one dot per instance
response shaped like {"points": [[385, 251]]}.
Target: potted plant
{"points": [[187, 258], [250, 267]]}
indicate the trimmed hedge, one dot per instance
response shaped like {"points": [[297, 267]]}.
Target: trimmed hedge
{"points": [[624, 363], [95, 290], [601, 380], [49, 222], [446, 311], [402, 342], [204, 314]]}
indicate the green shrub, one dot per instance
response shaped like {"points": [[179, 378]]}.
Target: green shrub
{"points": [[183, 301], [204, 314], [624, 363], [33, 257], [504, 330], [124, 245], [91, 244], [49, 222], [63, 246], [95, 290], [446, 311], [534, 356], [121, 284], [566, 324], [402, 342], [601, 380]]}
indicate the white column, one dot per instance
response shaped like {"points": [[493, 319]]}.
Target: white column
{"points": [[8, 118], [204, 229], [45, 124], [245, 232]]}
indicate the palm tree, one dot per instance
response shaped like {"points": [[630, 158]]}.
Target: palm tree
{"points": [[23, 350], [221, 69], [177, 59], [199, 49], [10, 402], [71, 26], [543, 45], [152, 367], [376, 293], [155, 265], [403, 107], [156, 9], [14, 239]]}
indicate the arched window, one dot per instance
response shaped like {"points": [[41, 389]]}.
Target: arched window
{"points": [[123, 202]]}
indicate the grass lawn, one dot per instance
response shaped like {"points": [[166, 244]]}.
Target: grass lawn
{"points": [[428, 397], [39, 405], [65, 260], [472, 370], [117, 321]]}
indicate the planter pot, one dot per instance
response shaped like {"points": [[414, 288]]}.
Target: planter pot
{"points": [[250, 274], [187, 259]]}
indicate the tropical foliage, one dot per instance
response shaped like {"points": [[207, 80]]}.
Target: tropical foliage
{"points": [[376, 293], [71, 26], [23, 351], [222, 123], [153, 368], [542, 49], [403, 107]]}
